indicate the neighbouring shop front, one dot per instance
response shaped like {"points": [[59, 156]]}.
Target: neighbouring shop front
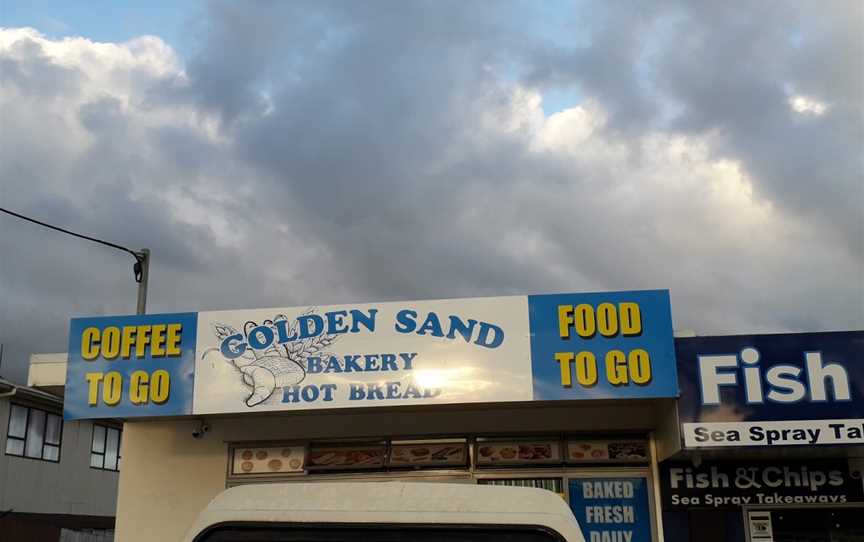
{"points": [[773, 434], [562, 392]]}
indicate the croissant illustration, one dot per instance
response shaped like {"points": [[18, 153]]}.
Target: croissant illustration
{"points": [[280, 365]]}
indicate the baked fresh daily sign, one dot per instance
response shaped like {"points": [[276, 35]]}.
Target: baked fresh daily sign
{"points": [[611, 509], [521, 348], [772, 390]]}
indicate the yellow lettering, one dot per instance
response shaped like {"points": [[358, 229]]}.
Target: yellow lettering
{"points": [[172, 347], [112, 388], [585, 325], [565, 320], [616, 367], [90, 343], [93, 380], [607, 320], [127, 341], [142, 339], [631, 318], [586, 369], [640, 366], [110, 342], [160, 386], [564, 359], [157, 345], [138, 387]]}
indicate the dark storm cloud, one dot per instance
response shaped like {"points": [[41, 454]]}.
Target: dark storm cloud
{"points": [[357, 123], [741, 86], [716, 68], [329, 152], [605, 55], [360, 131]]}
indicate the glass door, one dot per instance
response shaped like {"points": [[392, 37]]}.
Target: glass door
{"points": [[810, 524]]}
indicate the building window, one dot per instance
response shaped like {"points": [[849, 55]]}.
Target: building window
{"points": [[34, 433], [105, 448]]}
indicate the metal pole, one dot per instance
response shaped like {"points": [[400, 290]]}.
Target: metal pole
{"points": [[142, 284]]}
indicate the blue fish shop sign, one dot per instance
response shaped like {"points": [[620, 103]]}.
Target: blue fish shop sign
{"points": [[607, 345], [801, 389]]}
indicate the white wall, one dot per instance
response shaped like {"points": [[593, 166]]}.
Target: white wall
{"points": [[47, 370], [168, 477]]}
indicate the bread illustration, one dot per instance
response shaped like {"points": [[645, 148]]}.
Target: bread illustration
{"points": [[278, 366]]}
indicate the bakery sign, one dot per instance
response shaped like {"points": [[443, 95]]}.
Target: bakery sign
{"points": [[731, 484], [804, 389], [610, 345]]}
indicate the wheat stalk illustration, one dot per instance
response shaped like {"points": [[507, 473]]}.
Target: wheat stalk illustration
{"points": [[278, 366]]}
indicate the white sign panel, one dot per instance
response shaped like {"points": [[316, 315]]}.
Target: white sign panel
{"points": [[386, 354], [773, 433]]}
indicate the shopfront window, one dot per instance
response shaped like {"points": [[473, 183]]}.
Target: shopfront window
{"points": [[603, 480], [34, 433]]}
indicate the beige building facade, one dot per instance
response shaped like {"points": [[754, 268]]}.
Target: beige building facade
{"points": [[169, 476], [173, 467], [573, 393]]}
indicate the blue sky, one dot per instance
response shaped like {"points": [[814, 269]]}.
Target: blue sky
{"points": [[103, 20]]}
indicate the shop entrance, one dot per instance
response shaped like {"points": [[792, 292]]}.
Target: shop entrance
{"points": [[807, 524]]}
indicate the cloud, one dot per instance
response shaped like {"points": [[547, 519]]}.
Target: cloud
{"points": [[333, 153]]}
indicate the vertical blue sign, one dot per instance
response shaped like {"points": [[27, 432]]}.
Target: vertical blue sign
{"points": [[131, 366], [611, 509], [607, 345]]}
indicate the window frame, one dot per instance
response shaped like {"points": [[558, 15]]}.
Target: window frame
{"points": [[23, 440], [104, 451]]}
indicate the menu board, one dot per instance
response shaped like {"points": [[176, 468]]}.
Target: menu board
{"points": [[355, 457], [281, 459], [518, 452], [428, 454], [597, 451]]}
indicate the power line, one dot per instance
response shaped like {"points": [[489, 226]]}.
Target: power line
{"points": [[139, 256]]}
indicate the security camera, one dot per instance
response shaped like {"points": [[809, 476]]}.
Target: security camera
{"points": [[201, 429]]}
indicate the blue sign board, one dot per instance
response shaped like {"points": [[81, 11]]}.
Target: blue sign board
{"points": [[611, 345], [779, 389], [602, 345], [131, 366], [611, 509]]}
